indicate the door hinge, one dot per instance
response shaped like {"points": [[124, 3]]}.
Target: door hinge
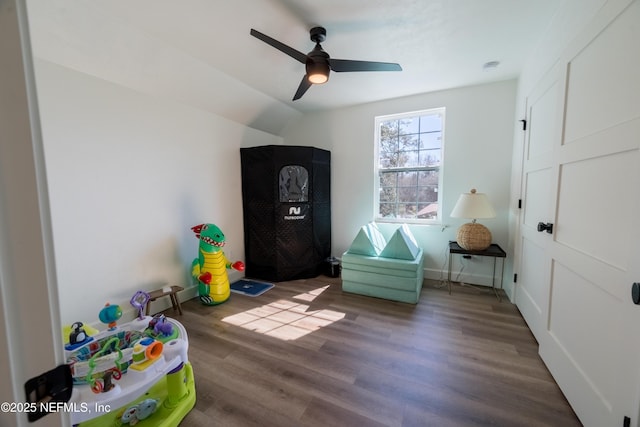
{"points": [[519, 203], [524, 124], [515, 278]]}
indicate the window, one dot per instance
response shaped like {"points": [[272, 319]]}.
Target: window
{"points": [[294, 184], [409, 154]]}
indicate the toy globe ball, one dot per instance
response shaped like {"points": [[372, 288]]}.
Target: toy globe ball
{"points": [[110, 313]]}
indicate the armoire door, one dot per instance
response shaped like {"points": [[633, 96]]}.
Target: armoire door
{"points": [[575, 291]]}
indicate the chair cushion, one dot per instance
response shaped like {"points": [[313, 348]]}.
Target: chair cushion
{"points": [[392, 266], [369, 241], [402, 245]]}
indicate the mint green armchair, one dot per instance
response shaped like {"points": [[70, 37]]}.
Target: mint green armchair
{"points": [[392, 270]]}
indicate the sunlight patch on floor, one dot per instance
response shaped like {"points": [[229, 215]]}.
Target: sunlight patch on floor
{"points": [[286, 319]]}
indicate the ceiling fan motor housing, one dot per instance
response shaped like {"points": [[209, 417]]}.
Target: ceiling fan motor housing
{"points": [[318, 34], [317, 62]]}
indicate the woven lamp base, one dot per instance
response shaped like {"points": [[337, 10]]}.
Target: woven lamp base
{"points": [[473, 237]]}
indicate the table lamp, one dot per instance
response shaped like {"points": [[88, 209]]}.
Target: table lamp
{"points": [[473, 205]]}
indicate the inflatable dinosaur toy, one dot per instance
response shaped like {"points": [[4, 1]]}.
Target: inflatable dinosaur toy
{"points": [[210, 268]]}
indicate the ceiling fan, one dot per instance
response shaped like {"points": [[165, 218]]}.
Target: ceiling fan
{"points": [[318, 62]]}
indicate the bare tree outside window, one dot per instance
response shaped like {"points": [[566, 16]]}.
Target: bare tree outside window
{"points": [[409, 164]]}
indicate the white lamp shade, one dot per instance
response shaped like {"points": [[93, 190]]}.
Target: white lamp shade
{"points": [[473, 205]]}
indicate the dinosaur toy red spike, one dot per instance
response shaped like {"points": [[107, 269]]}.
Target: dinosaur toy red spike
{"points": [[198, 229]]}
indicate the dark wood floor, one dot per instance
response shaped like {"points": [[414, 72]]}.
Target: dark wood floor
{"points": [[307, 354]]}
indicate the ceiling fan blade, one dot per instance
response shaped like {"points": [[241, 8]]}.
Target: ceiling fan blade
{"points": [[342, 65], [304, 86], [295, 54]]}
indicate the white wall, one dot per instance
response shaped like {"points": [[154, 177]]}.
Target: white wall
{"points": [[129, 174], [478, 150]]}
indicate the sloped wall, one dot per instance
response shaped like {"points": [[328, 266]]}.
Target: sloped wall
{"points": [[129, 174]]}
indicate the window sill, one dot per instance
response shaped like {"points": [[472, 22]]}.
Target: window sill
{"points": [[424, 222]]}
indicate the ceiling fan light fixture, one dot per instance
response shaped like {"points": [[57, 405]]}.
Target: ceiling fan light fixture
{"points": [[317, 72], [318, 78]]}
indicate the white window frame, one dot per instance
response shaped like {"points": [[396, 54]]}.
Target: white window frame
{"points": [[376, 197]]}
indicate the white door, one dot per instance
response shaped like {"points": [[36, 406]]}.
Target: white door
{"points": [[576, 287], [543, 110], [30, 342]]}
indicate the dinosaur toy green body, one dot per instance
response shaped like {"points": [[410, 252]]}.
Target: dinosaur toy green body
{"points": [[209, 270]]}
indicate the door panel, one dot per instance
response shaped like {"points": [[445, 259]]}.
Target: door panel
{"points": [[575, 301], [589, 309], [592, 190], [537, 198], [603, 80], [587, 326], [533, 287], [543, 111]]}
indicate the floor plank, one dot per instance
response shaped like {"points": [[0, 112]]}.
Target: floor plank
{"points": [[307, 354]]}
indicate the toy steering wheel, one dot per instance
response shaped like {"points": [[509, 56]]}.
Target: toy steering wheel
{"points": [[138, 301]]}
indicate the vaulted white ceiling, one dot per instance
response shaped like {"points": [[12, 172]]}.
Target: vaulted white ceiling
{"points": [[200, 52]]}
